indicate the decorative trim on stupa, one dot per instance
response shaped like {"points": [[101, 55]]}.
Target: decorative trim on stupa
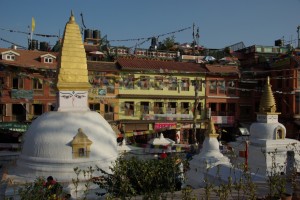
{"points": [[211, 131], [81, 145], [267, 102], [72, 70]]}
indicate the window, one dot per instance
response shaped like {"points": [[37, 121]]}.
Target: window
{"points": [[231, 109], [197, 84], [1, 111], [110, 86], [10, 57], [185, 84], [158, 108], [158, 83], [128, 82], [258, 49], [145, 82], [268, 50], [108, 112], [95, 106], [221, 85], [48, 60], [171, 108], [231, 88], [37, 109], [213, 108], [108, 108], [199, 108], [17, 83], [144, 107], [298, 79], [129, 108], [81, 152], [222, 109], [37, 84], [172, 83], [185, 106], [212, 87]]}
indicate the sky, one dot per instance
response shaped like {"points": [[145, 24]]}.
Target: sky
{"points": [[221, 22]]}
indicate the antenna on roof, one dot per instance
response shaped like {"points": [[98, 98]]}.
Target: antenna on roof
{"points": [[298, 37]]}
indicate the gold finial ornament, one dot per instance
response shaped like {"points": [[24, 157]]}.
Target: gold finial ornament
{"points": [[72, 18], [211, 131], [267, 101], [72, 69]]}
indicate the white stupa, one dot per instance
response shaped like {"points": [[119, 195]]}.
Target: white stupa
{"points": [[209, 158], [268, 135], [73, 136], [161, 140]]}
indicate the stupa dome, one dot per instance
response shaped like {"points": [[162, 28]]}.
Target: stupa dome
{"points": [[267, 131], [49, 144]]}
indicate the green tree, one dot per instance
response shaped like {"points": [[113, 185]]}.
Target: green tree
{"points": [[167, 43], [131, 177]]}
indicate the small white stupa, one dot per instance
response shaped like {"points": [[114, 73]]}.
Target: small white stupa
{"points": [[73, 136], [209, 157], [268, 135], [268, 138], [161, 140]]}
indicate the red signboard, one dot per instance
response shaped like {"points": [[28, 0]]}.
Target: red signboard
{"points": [[158, 126]]}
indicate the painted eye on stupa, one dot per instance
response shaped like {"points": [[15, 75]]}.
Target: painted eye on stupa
{"points": [[66, 96], [79, 95]]}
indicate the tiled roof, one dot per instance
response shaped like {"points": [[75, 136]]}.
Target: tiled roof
{"points": [[102, 66], [29, 58], [222, 69], [157, 65]]}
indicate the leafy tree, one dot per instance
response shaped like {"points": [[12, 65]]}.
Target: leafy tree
{"points": [[131, 177], [167, 43]]}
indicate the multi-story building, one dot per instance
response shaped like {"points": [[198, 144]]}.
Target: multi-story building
{"points": [[222, 98], [159, 96], [26, 84], [285, 82], [280, 63]]}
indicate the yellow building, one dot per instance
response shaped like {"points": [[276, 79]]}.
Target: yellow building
{"points": [[157, 96]]}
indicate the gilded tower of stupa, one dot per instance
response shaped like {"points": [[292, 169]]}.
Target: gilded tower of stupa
{"points": [[72, 80]]}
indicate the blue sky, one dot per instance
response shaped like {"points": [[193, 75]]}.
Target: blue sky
{"points": [[221, 22]]}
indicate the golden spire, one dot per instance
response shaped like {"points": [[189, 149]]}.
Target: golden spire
{"points": [[211, 131], [72, 69], [267, 101]]}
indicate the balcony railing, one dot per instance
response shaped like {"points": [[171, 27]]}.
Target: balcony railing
{"points": [[109, 116]]}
